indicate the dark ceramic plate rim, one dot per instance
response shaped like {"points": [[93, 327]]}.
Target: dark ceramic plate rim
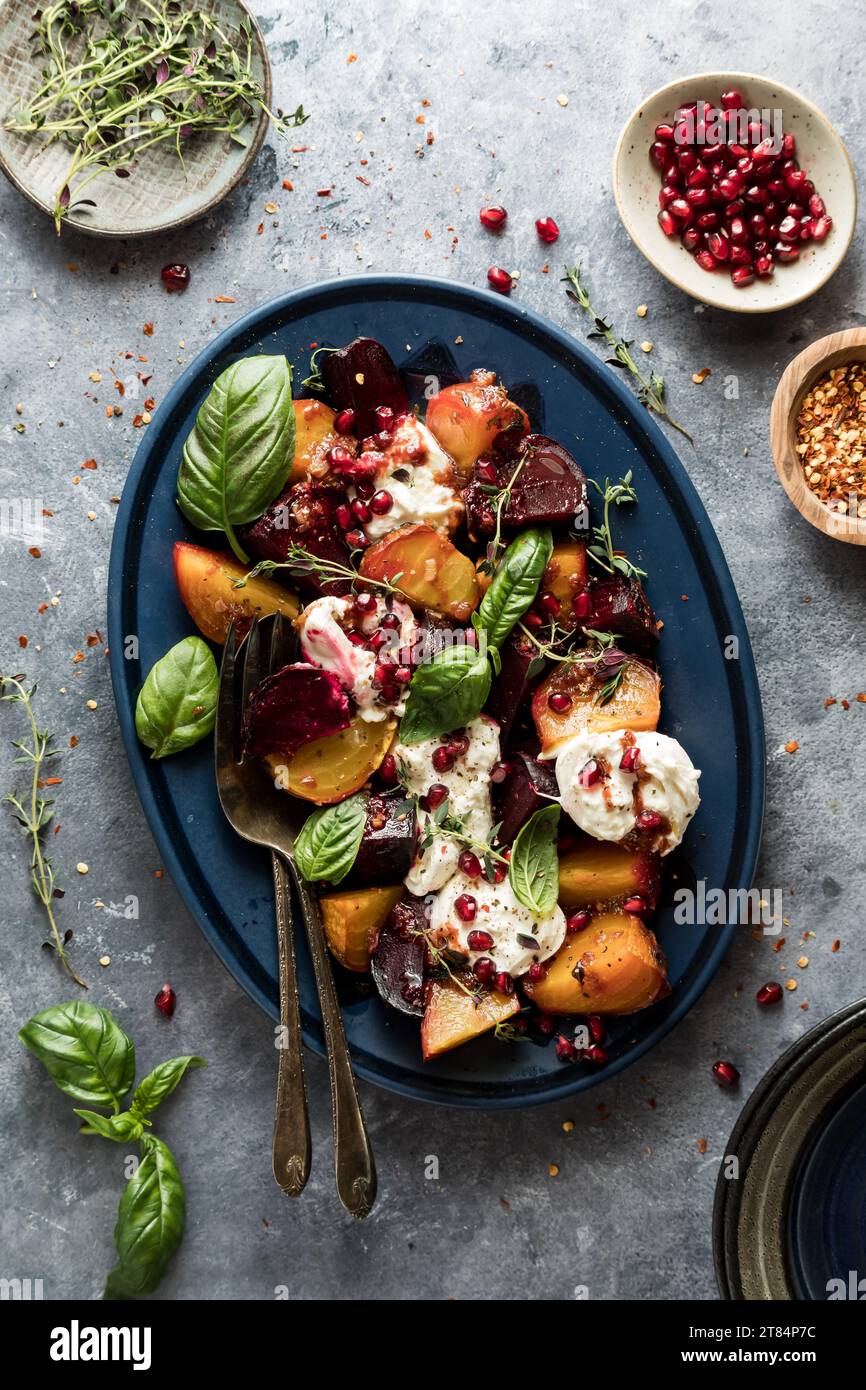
{"points": [[695, 528], [750, 1124]]}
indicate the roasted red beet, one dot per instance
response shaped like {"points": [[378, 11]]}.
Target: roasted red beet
{"points": [[388, 845], [397, 958], [550, 487], [362, 377], [510, 691], [620, 605], [304, 515], [529, 786], [292, 707]]}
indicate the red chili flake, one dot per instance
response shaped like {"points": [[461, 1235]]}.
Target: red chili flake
{"points": [[420, 120], [836, 945], [430, 137], [845, 704], [91, 464], [427, 234], [324, 192], [73, 741], [352, 58], [702, 1146], [288, 185], [652, 1103], [777, 945], [46, 512], [43, 608], [79, 656], [52, 781], [158, 873], [224, 299], [137, 422], [147, 330], [425, 101], [361, 179], [119, 386], [93, 638], [22, 641], [791, 746], [260, 229], [299, 149], [828, 702], [150, 403], [35, 552]]}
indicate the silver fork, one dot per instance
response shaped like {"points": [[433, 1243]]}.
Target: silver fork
{"points": [[266, 816]]}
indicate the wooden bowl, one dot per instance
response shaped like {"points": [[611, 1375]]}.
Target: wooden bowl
{"points": [[161, 194], [636, 184], [836, 350]]}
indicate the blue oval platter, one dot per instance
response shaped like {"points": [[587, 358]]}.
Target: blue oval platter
{"points": [[435, 329]]}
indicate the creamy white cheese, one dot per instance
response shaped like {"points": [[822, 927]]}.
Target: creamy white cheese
{"points": [[325, 644], [468, 783], [665, 781], [426, 489], [499, 913]]}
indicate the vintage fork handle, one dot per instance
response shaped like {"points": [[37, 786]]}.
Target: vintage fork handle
{"points": [[353, 1157], [291, 1147]]}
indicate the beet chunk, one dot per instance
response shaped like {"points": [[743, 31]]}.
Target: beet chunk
{"points": [[512, 687], [397, 958], [361, 377], [529, 786], [388, 844], [292, 707], [304, 515], [550, 488], [620, 605]]}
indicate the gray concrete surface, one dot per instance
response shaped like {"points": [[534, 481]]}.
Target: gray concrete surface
{"points": [[628, 1215]]}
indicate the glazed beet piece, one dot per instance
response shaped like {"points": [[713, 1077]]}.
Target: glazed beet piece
{"points": [[304, 515], [529, 786], [397, 958], [362, 377], [388, 846], [550, 488], [292, 707], [620, 605], [511, 689]]}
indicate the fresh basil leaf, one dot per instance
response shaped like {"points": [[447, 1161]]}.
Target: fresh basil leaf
{"points": [[514, 585], [158, 1084], [240, 451], [86, 1054], [150, 1222], [329, 841], [176, 706], [533, 869], [445, 694], [121, 1128]]}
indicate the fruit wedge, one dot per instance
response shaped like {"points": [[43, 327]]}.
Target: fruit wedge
{"points": [[353, 920], [635, 703], [614, 966], [469, 417], [596, 873], [453, 1017], [314, 435], [331, 768], [565, 578], [206, 581], [427, 568]]}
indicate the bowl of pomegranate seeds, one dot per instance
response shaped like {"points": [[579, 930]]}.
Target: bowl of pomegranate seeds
{"points": [[737, 189]]}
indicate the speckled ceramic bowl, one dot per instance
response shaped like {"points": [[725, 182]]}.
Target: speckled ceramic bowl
{"points": [[820, 151], [161, 193]]}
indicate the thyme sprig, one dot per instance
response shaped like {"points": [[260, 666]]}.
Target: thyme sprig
{"points": [[119, 76], [602, 550], [315, 381], [607, 656], [35, 812], [440, 960], [651, 390], [496, 547], [299, 561], [442, 822]]}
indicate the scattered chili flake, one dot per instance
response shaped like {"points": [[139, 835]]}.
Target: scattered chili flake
{"points": [[147, 330], [836, 945], [861, 698], [702, 1146], [73, 740], [260, 229], [553, 1170], [700, 377], [427, 234], [22, 641], [352, 58], [324, 192], [791, 746], [779, 943], [567, 1126], [288, 185], [76, 480], [137, 422], [35, 552], [43, 608], [158, 873], [361, 179], [224, 299], [93, 638], [652, 1102], [829, 701], [119, 386], [51, 782], [845, 704], [90, 464]]}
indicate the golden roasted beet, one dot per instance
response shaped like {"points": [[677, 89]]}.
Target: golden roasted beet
{"points": [[597, 873], [469, 417], [565, 578], [331, 768], [314, 435], [352, 922], [453, 1017], [432, 572], [620, 969], [206, 580], [634, 705]]}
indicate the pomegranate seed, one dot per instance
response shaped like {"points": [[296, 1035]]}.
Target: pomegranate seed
{"points": [[361, 510], [390, 694], [740, 255], [390, 621], [166, 1001], [759, 225], [594, 1054], [478, 940], [764, 265], [339, 457], [590, 774], [357, 639], [381, 503], [816, 205], [175, 277], [469, 864], [365, 603], [486, 471], [636, 905], [357, 540], [665, 131], [770, 993], [383, 673], [795, 179], [731, 100], [499, 772], [504, 982], [344, 516], [559, 701], [443, 759], [764, 150], [436, 794], [706, 260], [466, 907], [484, 970], [581, 605], [786, 251], [493, 218], [649, 820], [547, 229], [499, 872], [630, 758], [544, 1024], [537, 971], [565, 1050], [388, 769], [345, 421], [402, 675], [692, 238], [743, 275], [789, 228], [700, 177], [687, 161], [596, 1027], [667, 222], [681, 209], [789, 146], [578, 920], [660, 152], [726, 1074], [708, 221], [499, 279], [735, 209], [365, 488], [820, 227], [377, 641], [717, 243], [550, 604]]}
